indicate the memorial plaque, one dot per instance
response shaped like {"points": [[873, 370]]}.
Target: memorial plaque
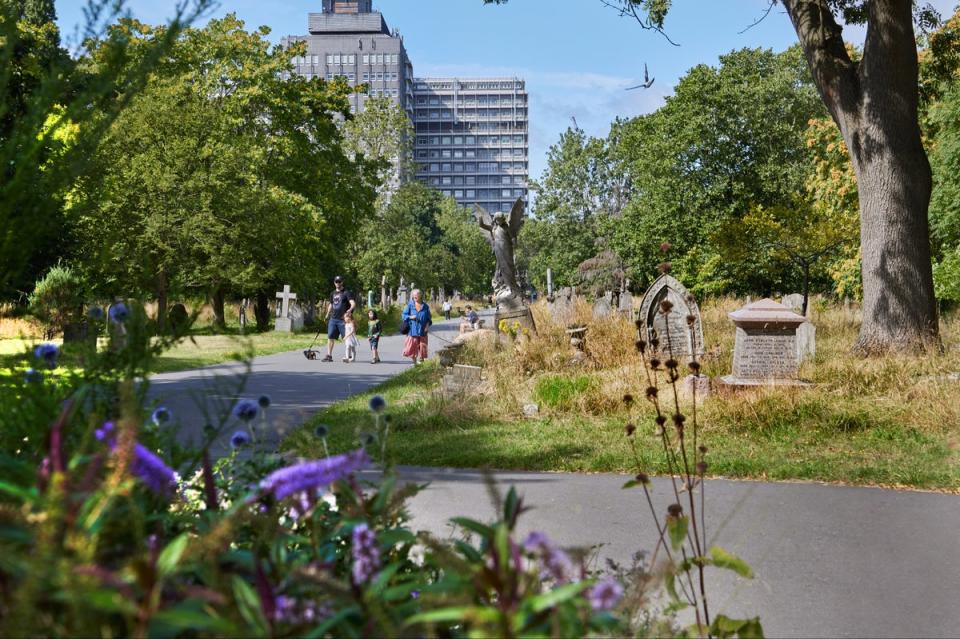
{"points": [[675, 336]]}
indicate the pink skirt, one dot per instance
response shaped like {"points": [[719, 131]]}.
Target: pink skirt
{"points": [[415, 347]]}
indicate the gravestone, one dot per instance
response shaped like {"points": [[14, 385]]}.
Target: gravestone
{"points": [[383, 292], [297, 317], [461, 380], [402, 291], [563, 306], [766, 350], [603, 307], [675, 336], [550, 284], [794, 302], [806, 341], [626, 304], [283, 322], [244, 303]]}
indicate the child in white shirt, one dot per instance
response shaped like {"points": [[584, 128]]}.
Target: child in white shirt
{"points": [[350, 338]]}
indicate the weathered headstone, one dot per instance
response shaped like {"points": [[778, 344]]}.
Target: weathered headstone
{"points": [[297, 317], [794, 302], [243, 313], [766, 350], [806, 341], [402, 291], [461, 380], [383, 292], [674, 335], [563, 306], [370, 298], [602, 307], [626, 304], [283, 323]]}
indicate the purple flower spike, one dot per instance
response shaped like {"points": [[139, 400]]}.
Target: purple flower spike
{"points": [[311, 475], [605, 594], [556, 563], [158, 477], [48, 353], [119, 313], [246, 410], [105, 433], [366, 555]]}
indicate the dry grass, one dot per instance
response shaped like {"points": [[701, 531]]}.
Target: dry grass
{"points": [[883, 421]]}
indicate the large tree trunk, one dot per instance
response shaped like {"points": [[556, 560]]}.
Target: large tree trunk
{"points": [[874, 102], [262, 311], [162, 297], [219, 314]]}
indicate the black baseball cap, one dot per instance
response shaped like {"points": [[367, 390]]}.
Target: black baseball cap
{"points": [[337, 279]]}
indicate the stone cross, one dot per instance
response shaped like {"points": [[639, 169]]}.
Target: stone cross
{"points": [[284, 323], [549, 284]]}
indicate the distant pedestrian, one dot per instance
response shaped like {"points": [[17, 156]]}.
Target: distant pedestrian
{"points": [[341, 303], [473, 318], [374, 328], [447, 307], [418, 319], [350, 338]]}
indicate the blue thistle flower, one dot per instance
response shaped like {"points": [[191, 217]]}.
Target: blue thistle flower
{"points": [[240, 439], [264, 401], [605, 594], [368, 439], [312, 475], [322, 431], [95, 313], [32, 376], [48, 353], [246, 409], [119, 313], [366, 555], [160, 416], [377, 404]]}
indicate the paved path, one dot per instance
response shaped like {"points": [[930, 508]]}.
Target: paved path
{"points": [[830, 561], [297, 387]]}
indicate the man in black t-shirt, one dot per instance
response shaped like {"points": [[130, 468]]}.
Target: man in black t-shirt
{"points": [[341, 303]]}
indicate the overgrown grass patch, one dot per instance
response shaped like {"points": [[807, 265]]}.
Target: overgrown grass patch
{"points": [[892, 421]]}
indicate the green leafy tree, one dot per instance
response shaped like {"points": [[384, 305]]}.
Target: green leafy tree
{"points": [[236, 180], [382, 134], [730, 138], [581, 186], [472, 263]]}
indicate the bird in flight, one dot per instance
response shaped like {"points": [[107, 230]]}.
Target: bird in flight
{"points": [[647, 80]]}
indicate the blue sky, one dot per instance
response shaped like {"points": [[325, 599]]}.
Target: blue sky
{"points": [[576, 55]]}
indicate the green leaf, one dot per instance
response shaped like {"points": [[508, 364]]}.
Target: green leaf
{"points": [[454, 614], [383, 579], [511, 506], [723, 559], [556, 596], [468, 551], [25, 494], [170, 557], [677, 526], [187, 619], [724, 627], [630, 484], [248, 603], [331, 622], [474, 526]]}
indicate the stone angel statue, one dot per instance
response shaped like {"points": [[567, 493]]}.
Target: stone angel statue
{"points": [[502, 232]]}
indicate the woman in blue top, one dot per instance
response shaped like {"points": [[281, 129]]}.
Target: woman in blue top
{"points": [[417, 316]]}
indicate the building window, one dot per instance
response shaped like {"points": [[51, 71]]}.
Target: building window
{"points": [[471, 180], [446, 139], [336, 58], [458, 193], [445, 167], [329, 58], [351, 59], [471, 193], [366, 58], [447, 181], [434, 168]]}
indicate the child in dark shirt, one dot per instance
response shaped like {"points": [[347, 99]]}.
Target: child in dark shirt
{"points": [[374, 328]]}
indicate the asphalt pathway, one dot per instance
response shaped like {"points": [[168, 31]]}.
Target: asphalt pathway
{"points": [[297, 387], [830, 561]]}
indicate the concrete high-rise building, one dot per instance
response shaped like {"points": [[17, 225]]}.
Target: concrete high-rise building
{"points": [[472, 139], [349, 39], [472, 134]]}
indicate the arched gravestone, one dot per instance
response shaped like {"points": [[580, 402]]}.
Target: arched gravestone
{"points": [[666, 287]]}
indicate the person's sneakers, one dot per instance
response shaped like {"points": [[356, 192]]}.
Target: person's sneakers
{"points": [[346, 359], [376, 361], [327, 359]]}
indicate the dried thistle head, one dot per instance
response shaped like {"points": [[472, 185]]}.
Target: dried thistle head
{"points": [[631, 429], [639, 324], [643, 478], [666, 306], [675, 510], [641, 345], [701, 468], [654, 341], [654, 363], [694, 367], [651, 392], [703, 448], [664, 267], [628, 399], [671, 364], [691, 320], [660, 420], [665, 247]]}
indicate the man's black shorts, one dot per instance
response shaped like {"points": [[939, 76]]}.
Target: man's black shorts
{"points": [[336, 329]]}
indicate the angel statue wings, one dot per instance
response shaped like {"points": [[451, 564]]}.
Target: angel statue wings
{"points": [[502, 233]]}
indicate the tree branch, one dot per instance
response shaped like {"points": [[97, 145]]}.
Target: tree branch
{"points": [[628, 9]]}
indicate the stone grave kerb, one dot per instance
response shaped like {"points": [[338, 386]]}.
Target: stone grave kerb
{"points": [[667, 287]]}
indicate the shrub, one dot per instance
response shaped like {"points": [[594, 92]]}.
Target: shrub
{"points": [[57, 299]]}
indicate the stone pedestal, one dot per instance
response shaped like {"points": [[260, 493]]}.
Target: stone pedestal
{"points": [[523, 316], [766, 351], [283, 325]]}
